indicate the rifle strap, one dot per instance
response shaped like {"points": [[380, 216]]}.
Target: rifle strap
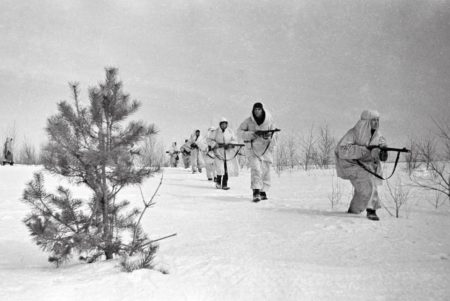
{"points": [[265, 150], [226, 160], [209, 155], [374, 173]]}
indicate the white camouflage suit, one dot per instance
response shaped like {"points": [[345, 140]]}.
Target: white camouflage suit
{"points": [[173, 152], [185, 150], [226, 137], [197, 160], [352, 147], [259, 151], [209, 155]]}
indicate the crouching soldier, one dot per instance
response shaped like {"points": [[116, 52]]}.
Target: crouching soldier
{"points": [[185, 150], [259, 147], [355, 162], [197, 144]]}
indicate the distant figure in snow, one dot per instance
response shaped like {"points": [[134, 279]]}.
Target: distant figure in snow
{"points": [[353, 148], [185, 150], [209, 155], [173, 152], [7, 152], [197, 145], [226, 162], [259, 149]]}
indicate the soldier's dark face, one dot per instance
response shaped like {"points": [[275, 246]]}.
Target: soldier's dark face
{"points": [[374, 123], [258, 112]]}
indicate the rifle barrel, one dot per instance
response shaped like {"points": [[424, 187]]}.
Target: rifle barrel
{"points": [[390, 149], [230, 144], [393, 149]]}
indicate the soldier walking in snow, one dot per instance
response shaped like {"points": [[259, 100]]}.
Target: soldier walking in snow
{"points": [[185, 150], [355, 162], [257, 133], [7, 152], [173, 152], [209, 155], [226, 162], [197, 145]]}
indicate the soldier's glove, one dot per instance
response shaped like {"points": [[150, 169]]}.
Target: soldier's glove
{"points": [[383, 154], [375, 154], [266, 136], [252, 135]]}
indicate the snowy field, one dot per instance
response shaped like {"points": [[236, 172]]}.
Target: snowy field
{"points": [[292, 247]]}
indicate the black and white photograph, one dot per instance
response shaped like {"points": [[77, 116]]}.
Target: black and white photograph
{"points": [[215, 150]]}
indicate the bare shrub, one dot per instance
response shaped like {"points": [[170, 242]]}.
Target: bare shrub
{"points": [[412, 158], [399, 195], [437, 200], [27, 154], [436, 154], [308, 149], [336, 194], [153, 153], [426, 150], [286, 154], [325, 146]]}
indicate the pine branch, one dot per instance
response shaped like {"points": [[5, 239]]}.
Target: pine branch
{"points": [[146, 206]]}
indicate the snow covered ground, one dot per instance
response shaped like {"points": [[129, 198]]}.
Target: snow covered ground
{"points": [[291, 247]]}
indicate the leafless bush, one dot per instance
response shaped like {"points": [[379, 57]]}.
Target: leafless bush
{"points": [[336, 194], [443, 132], [437, 201], [436, 154], [309, 152], [325, 146], [286, 152], [426, 150], [27, 154], [412, 158], [280, 160], [399, 195], [153, 154]]}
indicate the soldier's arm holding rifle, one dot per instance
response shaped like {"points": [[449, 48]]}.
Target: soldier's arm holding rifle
{"points": [[229, 145], [381, 151], [266, 134], [389, 149]]}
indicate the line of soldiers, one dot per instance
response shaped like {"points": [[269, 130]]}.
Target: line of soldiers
{"points": [[218, 151], [358, 156]]}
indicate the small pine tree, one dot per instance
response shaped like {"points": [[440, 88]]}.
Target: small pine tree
{"points": [[92, 146]]}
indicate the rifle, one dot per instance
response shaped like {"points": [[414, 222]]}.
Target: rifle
{"points": [[265, 133], [383, 157], [389, 149], [174, 152], [228, 145]]}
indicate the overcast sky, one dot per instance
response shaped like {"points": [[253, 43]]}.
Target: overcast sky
{"points": [[192, 62]]}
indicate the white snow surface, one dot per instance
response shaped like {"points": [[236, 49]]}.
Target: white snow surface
{"points": [[293, 246]]}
